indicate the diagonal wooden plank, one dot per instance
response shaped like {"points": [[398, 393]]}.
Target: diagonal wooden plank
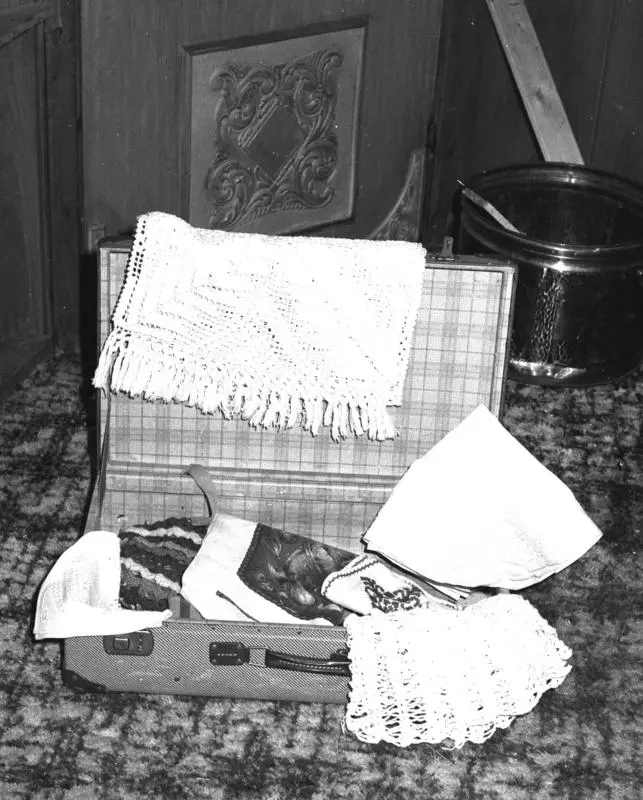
{"points": [[535, 81], [16, 20]]}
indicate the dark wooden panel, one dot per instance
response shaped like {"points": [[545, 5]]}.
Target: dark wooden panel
{"points": [[133, 90], [64, 172], [482, 123], [574, 36], [130, 98], [619, 140], [47, 158], [23, 268]]}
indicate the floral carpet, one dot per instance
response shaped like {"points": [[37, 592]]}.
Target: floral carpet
{"points": [[581, 742]]}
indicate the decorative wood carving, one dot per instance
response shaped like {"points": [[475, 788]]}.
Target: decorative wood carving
{"points": [[272, 133], [275, 144], [403, 220]]}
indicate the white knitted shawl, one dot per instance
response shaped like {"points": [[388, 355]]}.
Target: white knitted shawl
{"points": [[277, 330]]}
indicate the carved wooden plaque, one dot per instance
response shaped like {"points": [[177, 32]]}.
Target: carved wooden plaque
{"points": [[271, 130]]}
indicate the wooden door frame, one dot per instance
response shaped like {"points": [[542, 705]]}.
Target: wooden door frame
{"points": [[64, 170], [54, 28]]}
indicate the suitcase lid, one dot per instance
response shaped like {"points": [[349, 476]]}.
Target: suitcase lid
{"points": [[458, 360]]}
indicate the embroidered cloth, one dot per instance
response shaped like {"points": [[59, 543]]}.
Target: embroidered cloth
{"points": [[269, 574], [277, 330], [367, 583]]}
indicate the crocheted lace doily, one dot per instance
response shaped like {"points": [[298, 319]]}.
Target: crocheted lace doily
{"points": [[278, 330], [449, 676]]}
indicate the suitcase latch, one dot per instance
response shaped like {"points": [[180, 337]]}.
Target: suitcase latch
{"points": [[446, 254], [138, 643], [229, 654]]}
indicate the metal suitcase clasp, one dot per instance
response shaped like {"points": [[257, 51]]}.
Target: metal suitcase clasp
{"points": [[137, 643]]}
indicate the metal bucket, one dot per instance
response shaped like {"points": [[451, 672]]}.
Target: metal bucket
{"points": [[578, 318]]}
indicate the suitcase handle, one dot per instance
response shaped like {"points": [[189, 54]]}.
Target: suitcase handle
{"points": [[336, 664]]}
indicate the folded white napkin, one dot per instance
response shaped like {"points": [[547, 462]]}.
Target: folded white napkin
{"points": [[79, 596], [479, 510]]}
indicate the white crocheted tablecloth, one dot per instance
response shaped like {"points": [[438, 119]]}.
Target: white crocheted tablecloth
{"points": [[277, 330], [440, 675]]}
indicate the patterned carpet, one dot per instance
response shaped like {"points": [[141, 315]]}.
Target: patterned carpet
{"points": [[582, 742]]}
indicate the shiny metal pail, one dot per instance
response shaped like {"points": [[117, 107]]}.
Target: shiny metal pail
{"points": [[578, 316]]}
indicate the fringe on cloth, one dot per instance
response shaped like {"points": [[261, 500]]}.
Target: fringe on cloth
{"points": [[278, 331]]}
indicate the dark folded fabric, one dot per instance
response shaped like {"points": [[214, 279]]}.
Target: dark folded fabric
{"points": [[289, 570]]}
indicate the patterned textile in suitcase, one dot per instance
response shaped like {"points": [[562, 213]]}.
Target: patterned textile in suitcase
{"points": [[282, 570], [153, 559]]}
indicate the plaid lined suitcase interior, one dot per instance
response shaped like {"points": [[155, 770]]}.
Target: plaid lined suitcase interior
{"points": [[289, 480]]}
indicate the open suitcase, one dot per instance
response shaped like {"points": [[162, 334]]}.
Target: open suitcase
{"points": [[289, 480]]}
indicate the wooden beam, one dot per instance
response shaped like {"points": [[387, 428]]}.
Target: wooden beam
{"points": [[535, 81]]}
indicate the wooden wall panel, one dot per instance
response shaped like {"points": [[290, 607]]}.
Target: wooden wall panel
{"points": [[618, 146], [64, 172], [133, 89], [23, 269], [574, 36], [130, 110], [25, 309], [14, 3], [39, 186], [132, 102], [401, 48], [482, 123]]}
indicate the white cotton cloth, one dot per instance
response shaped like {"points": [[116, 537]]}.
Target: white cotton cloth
{"points": [[448, 676], [79, 596], [277, 330], [479, 510]]}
